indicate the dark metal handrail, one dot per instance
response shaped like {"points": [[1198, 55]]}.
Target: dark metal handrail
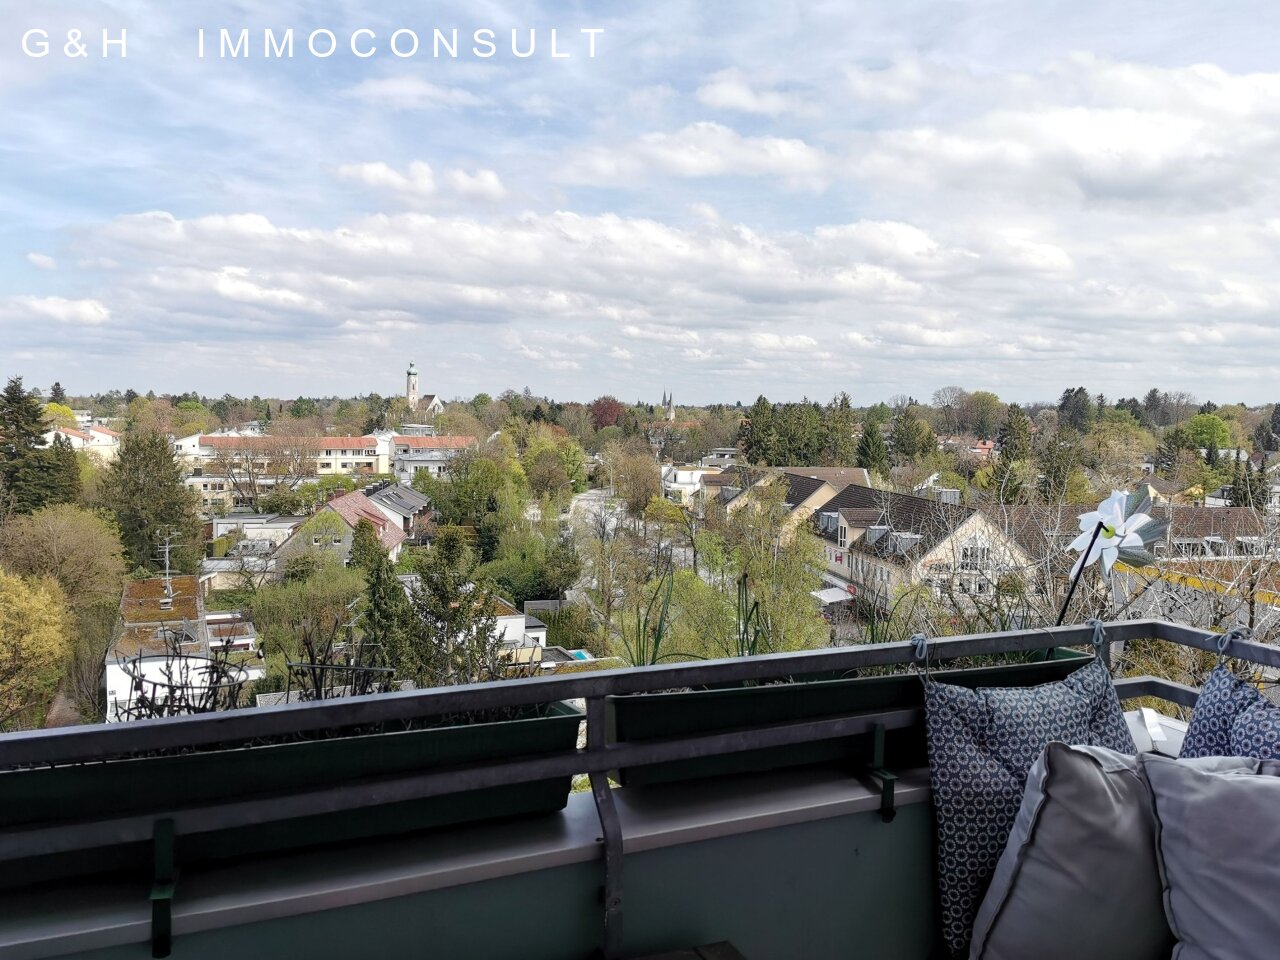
{"points": [[75, 744]]}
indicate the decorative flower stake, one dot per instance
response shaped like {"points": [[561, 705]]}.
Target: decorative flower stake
{"points": [[1120, 529]]}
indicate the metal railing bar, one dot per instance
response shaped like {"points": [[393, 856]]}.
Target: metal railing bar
{"points": [[610, 831], [76, 744], [1265, 654], [446, 780], [1128, 688]]}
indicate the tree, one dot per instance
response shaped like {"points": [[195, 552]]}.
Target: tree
{"points": [[455, 634], [1015, 435], [34, 646], [842, 430], [79, 549], [1076, 409], [1208, 431], [636, 478], [605, 411], [873, 455], [387, 614], [1248, 488], [949, 402], [61, 415], [304, 408], [757, 435], [57, 394], [32, 473], [366, 548], [257, 465], [911, 437], [143, 488], [1169, 452], [984, 413]]}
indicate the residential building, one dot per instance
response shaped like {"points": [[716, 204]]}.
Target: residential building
{"points": [[166, 640], [352, 508], [275, 527], [683, 483], [412, 455], [878, 544], [837, 477], [721, 457], [402, 504], [99, 442]]}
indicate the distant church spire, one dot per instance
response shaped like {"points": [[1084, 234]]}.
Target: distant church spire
{"points": [[411, 386]]}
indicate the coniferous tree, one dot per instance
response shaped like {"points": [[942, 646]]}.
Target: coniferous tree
{"points": [[1247, 487], [1263, 439], [756, 436], [57, 394], [143, 488], [1170, 451], [387, 614], [366, 548], [63, 472], [873, 455], [32, 473], [455, 637], [841, 424], [1015, 435]]}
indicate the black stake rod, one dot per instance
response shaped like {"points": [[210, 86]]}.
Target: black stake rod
{"points": [[1071, 592]]}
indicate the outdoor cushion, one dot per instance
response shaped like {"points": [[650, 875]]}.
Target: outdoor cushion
{"points": [[1082, 847], [982, 743], [1232, 719], [1218, 843]]}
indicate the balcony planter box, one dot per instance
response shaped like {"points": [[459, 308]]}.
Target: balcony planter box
{"points": [[661, 716], [48, 797]]}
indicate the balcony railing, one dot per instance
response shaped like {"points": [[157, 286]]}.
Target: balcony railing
{"points": [[601, 755]]}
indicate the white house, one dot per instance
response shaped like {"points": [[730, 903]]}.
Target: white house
{"points": [[683, 484], [98, 441], [166, 640], [411, 455]]}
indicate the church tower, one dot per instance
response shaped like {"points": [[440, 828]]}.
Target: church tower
{"points": [[669, 404], [411, 386]]}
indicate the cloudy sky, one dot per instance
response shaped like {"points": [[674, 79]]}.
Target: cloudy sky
{"points": [[730, 199]]}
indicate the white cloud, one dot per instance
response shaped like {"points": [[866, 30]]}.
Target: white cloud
{"points": [[42, 261], [63, 310], [702, 150], [413, 93], [417, 182], [732, 90], [481, 185]]}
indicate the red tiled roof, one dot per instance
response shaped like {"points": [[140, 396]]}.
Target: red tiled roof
{"points": [[68, 432], [272, 441], [434, 443], [104, 431], [354, 507]]}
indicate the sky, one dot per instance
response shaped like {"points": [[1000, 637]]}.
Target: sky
{"points": [[729, 199]]}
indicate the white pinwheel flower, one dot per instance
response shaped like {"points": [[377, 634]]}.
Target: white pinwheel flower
{"points": [[1125, 527]]}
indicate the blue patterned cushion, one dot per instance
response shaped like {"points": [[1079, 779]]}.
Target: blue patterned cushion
{"points": [[982, 743], [1232, 719]]}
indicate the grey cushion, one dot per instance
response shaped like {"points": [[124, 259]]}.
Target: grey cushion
{"points": [[982, 743], [1218, 839], [1082, 846], [1232, 719]]}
